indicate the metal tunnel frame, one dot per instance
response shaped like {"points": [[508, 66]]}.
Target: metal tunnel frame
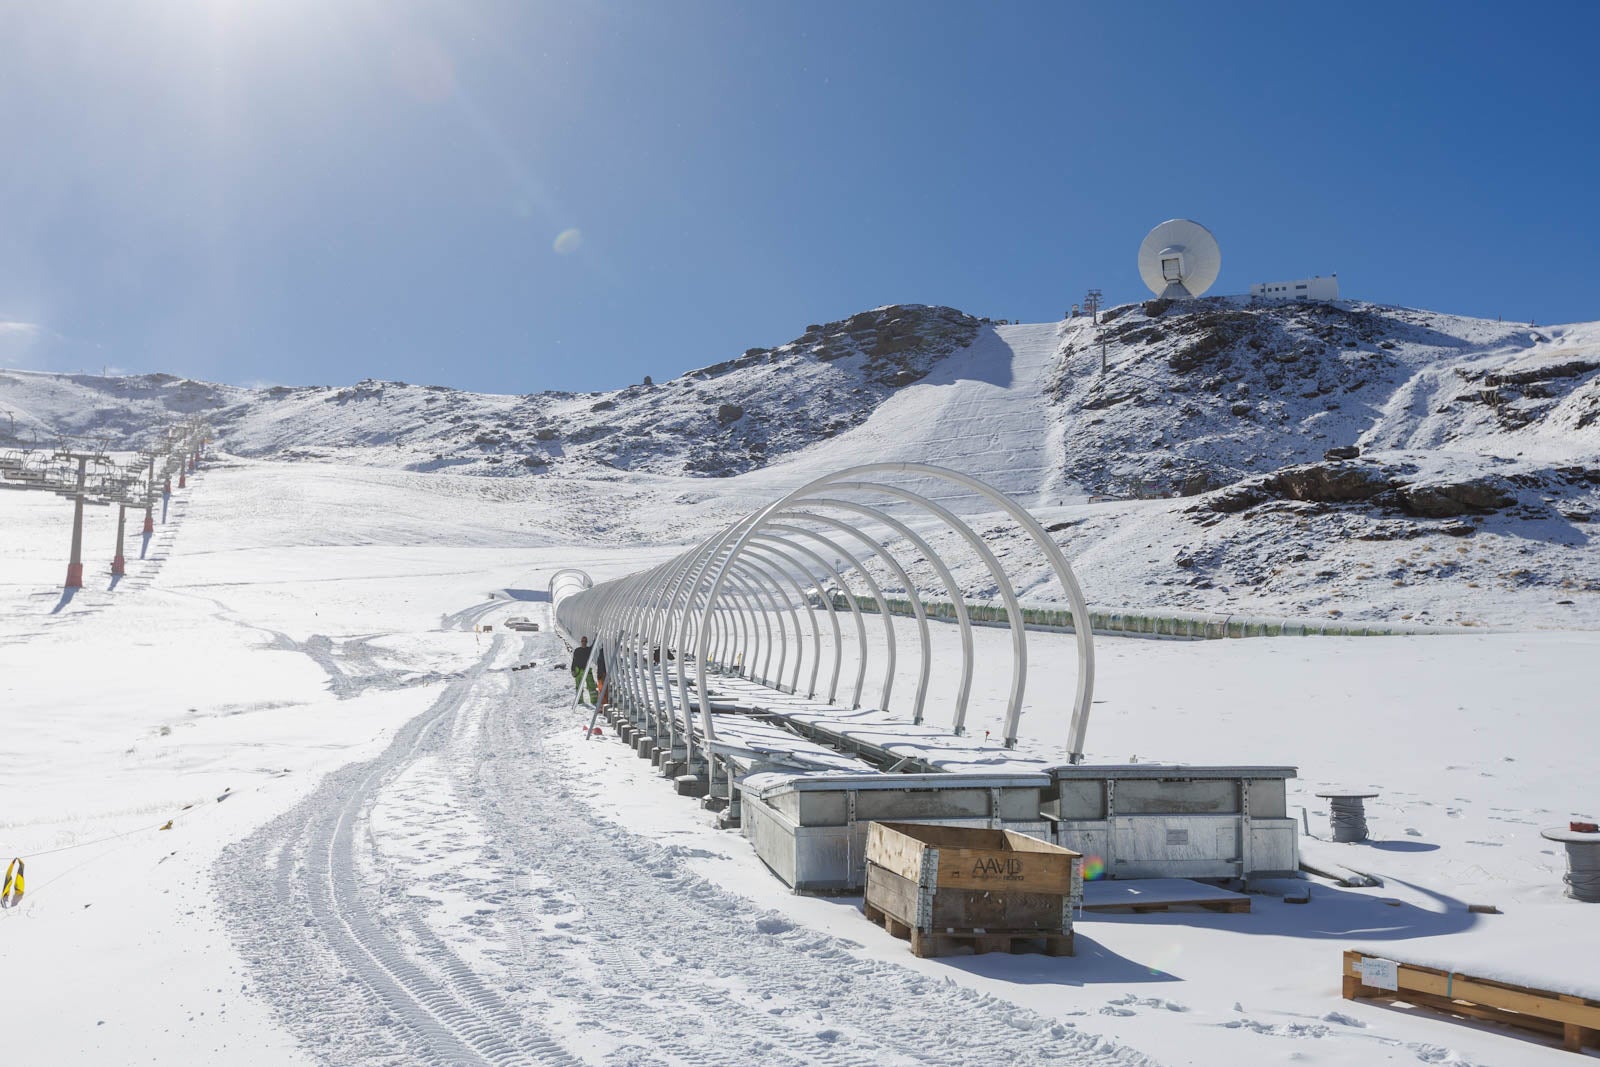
{"points": [[746, 601]]}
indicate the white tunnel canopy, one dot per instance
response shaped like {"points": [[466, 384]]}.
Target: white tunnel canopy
{"points": [[734, 602]]}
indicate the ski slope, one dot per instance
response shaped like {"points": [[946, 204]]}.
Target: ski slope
{"points": [[386, 846], [982, 410]]}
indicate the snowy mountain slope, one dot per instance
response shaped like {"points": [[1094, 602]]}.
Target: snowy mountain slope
{"points": [[1195, 397], [721, 419], [1526, 566], [1198, 396], [980, 411], [1441, 428]]}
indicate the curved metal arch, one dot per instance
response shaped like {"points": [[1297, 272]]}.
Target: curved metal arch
{"points": [[1082, 631], [727, 588], [811, 614], [708, 554], [1008, 595], [849, 599], [747, 606], [766, 605], [849, 478], [780, 576], [677, 590], [571, 580], [654, 616], [918, 611], [773, 544], [877, 596], [952, 590]]}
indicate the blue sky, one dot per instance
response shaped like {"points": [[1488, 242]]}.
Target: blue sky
{"points": [[519, 195]]}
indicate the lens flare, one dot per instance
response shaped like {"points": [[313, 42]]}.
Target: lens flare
{"points": [[1094, 868], [568, 241], [1165, 959]]}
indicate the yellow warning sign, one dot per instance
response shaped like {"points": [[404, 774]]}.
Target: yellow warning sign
{"points": [[11, 892]]}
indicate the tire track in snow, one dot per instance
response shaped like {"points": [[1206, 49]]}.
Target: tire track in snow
{"points": [[824, 1005], [467, 617], [622, 945], [446, 1012]]}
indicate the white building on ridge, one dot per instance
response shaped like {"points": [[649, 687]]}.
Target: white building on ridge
{"points": [[1317, 288]]}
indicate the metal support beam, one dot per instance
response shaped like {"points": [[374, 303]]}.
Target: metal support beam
{"points": [[732, 601]]}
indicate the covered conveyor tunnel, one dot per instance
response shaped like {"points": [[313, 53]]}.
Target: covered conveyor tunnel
{"points": [[762, 670]]}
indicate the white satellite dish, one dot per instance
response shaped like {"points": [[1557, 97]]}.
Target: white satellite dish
{"points": [[1179, 260]]}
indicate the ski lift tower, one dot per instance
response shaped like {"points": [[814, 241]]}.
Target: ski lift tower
{"points": [[1091, 306], [77, 489], [148, 457], [128, 486]]}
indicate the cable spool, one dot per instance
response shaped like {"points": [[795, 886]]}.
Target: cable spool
{"points": [[1349, 818], [1583, 861], [1347, 814], [1583, 873]]}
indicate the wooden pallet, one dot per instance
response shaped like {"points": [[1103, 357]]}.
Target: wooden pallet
{"points": [[1161, 894], [944, 942], [1232, 907], [1575, 1021]]}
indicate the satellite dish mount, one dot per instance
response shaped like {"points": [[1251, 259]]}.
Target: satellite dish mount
{"points": [[1179, 260]]}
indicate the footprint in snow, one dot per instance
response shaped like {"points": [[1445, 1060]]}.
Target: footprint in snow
{"points": [[1129, 1001], [1294, 1030]]}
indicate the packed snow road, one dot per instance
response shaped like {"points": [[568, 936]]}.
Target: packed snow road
{"points": [[455, 901]]}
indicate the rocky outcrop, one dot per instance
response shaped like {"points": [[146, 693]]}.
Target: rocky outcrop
{"points": [[1330, 483], [1388, 487], [769, 401], [1443, 500]]}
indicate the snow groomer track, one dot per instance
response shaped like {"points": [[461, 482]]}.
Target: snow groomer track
{"points": [[456, 900]]}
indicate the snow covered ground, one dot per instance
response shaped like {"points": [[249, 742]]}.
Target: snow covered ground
{"points": [[386, 846]]}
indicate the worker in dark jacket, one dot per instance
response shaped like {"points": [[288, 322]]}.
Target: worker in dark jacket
{"points": [[599, 672], [580, 663]]}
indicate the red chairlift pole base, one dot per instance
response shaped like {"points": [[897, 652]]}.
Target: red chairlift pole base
{"points": [[149, 521], [74, 576], [119, 566]]}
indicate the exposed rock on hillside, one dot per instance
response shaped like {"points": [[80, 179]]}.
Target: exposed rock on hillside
{"points": [[1445, 499], [1398, 485], [772, 401], [1330, 482], [1203, 394], [1196, 396]]}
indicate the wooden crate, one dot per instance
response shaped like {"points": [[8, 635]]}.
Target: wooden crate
{"points": [[994, 890], [1575, 1021]]}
